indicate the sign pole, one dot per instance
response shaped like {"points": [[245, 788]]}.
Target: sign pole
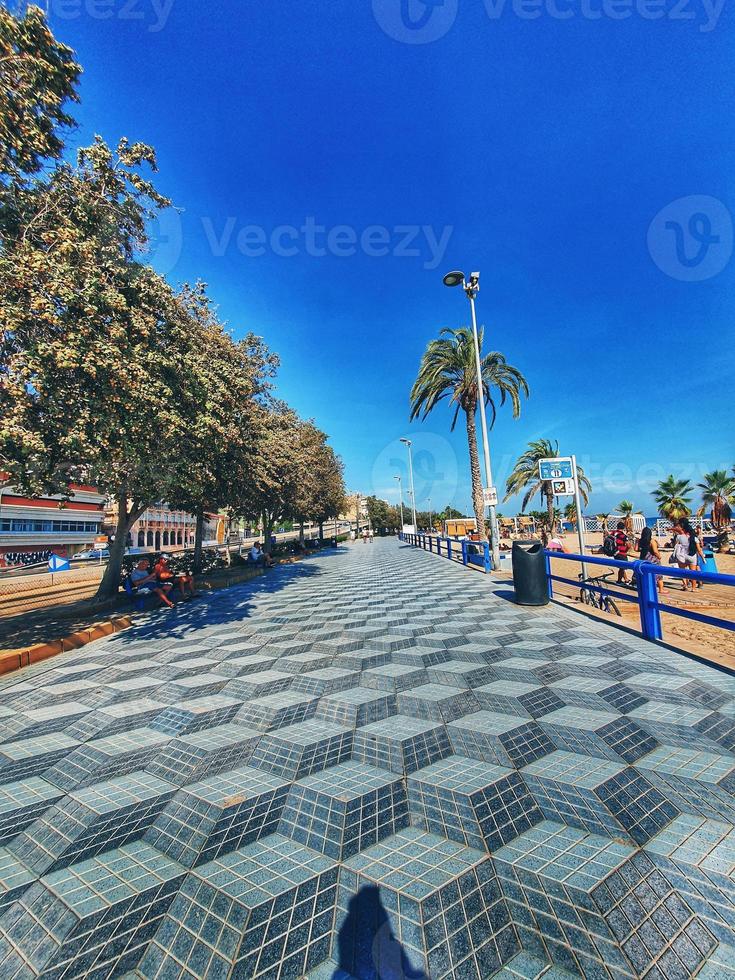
{"points": [[580, 520]]}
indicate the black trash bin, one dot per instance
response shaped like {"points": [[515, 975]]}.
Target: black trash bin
{"points": [[529, 573]]}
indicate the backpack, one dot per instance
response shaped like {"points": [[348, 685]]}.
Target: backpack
{"points": [[609, 547]]}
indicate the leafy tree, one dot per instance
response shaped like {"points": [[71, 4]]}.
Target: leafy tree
{"points": [[219, 438], [382, 515], [97, 385], [570, 514], [525, 478], [38, 76], [320, 493], [448, 371], [673, 497], [269, 488], [718, 495], [328, 474]]}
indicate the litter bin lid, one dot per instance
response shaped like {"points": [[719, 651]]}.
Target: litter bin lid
{"points": [[529, 547]]}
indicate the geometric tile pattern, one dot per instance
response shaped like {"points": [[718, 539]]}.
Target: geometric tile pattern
{"points": [[367, 764]]}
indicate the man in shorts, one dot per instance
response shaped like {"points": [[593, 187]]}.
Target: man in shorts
{"points": [[145, 581]]}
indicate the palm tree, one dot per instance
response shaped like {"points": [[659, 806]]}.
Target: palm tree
{"points": [[525, 476], [718, 493], [673, 497], [570, 514], [627, 509], [447, 370]]}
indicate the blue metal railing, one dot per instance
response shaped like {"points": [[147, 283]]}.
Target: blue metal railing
{"points": [[647, 596], [468, 552]]}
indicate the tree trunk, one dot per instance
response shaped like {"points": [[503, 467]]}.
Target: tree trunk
{"points": [[267, 532], [199, 541], [321, 532], [301, 534], [477, 502], [549, 508], [110, 584]]}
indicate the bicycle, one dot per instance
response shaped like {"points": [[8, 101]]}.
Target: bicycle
{"points": [[601, 600]]}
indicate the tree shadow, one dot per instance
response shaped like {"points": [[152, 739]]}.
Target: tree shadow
{"points": [[232, 604], [366, 946]]}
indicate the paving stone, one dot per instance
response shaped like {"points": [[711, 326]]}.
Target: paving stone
{"points": [[401, 744], [92, 820], [266, 905], [606, 734], [417, 904], [598, 795], [477, 804], [502, 792], [345, 809], [504, 740], [592, 903], [219, 814]]}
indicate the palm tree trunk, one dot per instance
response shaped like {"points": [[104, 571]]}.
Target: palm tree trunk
{"points": [[549, 507], [477, 502]]}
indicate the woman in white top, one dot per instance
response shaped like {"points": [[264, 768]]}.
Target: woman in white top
{"points": [[687, 550]]}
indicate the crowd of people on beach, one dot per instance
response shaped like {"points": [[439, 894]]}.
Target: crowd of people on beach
{"points": [[687, 550]]}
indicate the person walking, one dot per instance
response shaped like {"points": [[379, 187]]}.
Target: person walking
{"points": [[650, 553], [621, 551], [687, 550]]}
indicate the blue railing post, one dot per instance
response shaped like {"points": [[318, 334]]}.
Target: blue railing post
{"points": [[549, 582], [648, 601], [449, 548], [464, 552], [431, 544], [486, 557]]}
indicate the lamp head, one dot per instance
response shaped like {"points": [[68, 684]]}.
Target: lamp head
{"points": [[455, 278], [406, 442]]}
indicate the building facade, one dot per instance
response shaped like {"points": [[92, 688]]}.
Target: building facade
{"points": [[160, 528], [34, 528]]}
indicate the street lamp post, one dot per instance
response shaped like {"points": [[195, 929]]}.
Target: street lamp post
{"points": [[407, 443], [400, 497], [472, 288], [428, 501]]}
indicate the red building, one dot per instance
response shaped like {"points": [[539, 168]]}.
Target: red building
{"points": [[31, 528]]}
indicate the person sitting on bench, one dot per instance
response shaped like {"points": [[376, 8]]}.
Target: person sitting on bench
{"points": [[166, 576], [258, 557], [144, 581]]}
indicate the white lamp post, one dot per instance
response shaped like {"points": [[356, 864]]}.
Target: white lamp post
{"points": [[407, 443], [400, 496], [472, 288]]}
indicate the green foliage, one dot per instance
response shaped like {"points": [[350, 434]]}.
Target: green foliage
{"points": [[525, 478], [107, 376], [673, 497], [38, 76], [448, 371], [383, 515], [718, 495]]}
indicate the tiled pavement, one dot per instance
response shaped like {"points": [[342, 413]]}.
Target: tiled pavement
{"points": [[367, 765]]}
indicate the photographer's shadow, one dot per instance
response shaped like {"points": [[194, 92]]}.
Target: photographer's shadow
{"points": [[366, 946]]}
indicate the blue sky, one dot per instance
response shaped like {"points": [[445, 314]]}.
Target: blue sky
{"points": [[331, 161]]}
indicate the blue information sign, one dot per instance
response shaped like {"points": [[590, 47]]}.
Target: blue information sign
{"points": [[58, 564], [556, 469]]}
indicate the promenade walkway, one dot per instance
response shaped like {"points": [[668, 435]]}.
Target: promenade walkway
{"points": [[367, 764]]}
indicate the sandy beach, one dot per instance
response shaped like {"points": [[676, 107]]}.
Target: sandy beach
{"points": [[717, 645]]}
